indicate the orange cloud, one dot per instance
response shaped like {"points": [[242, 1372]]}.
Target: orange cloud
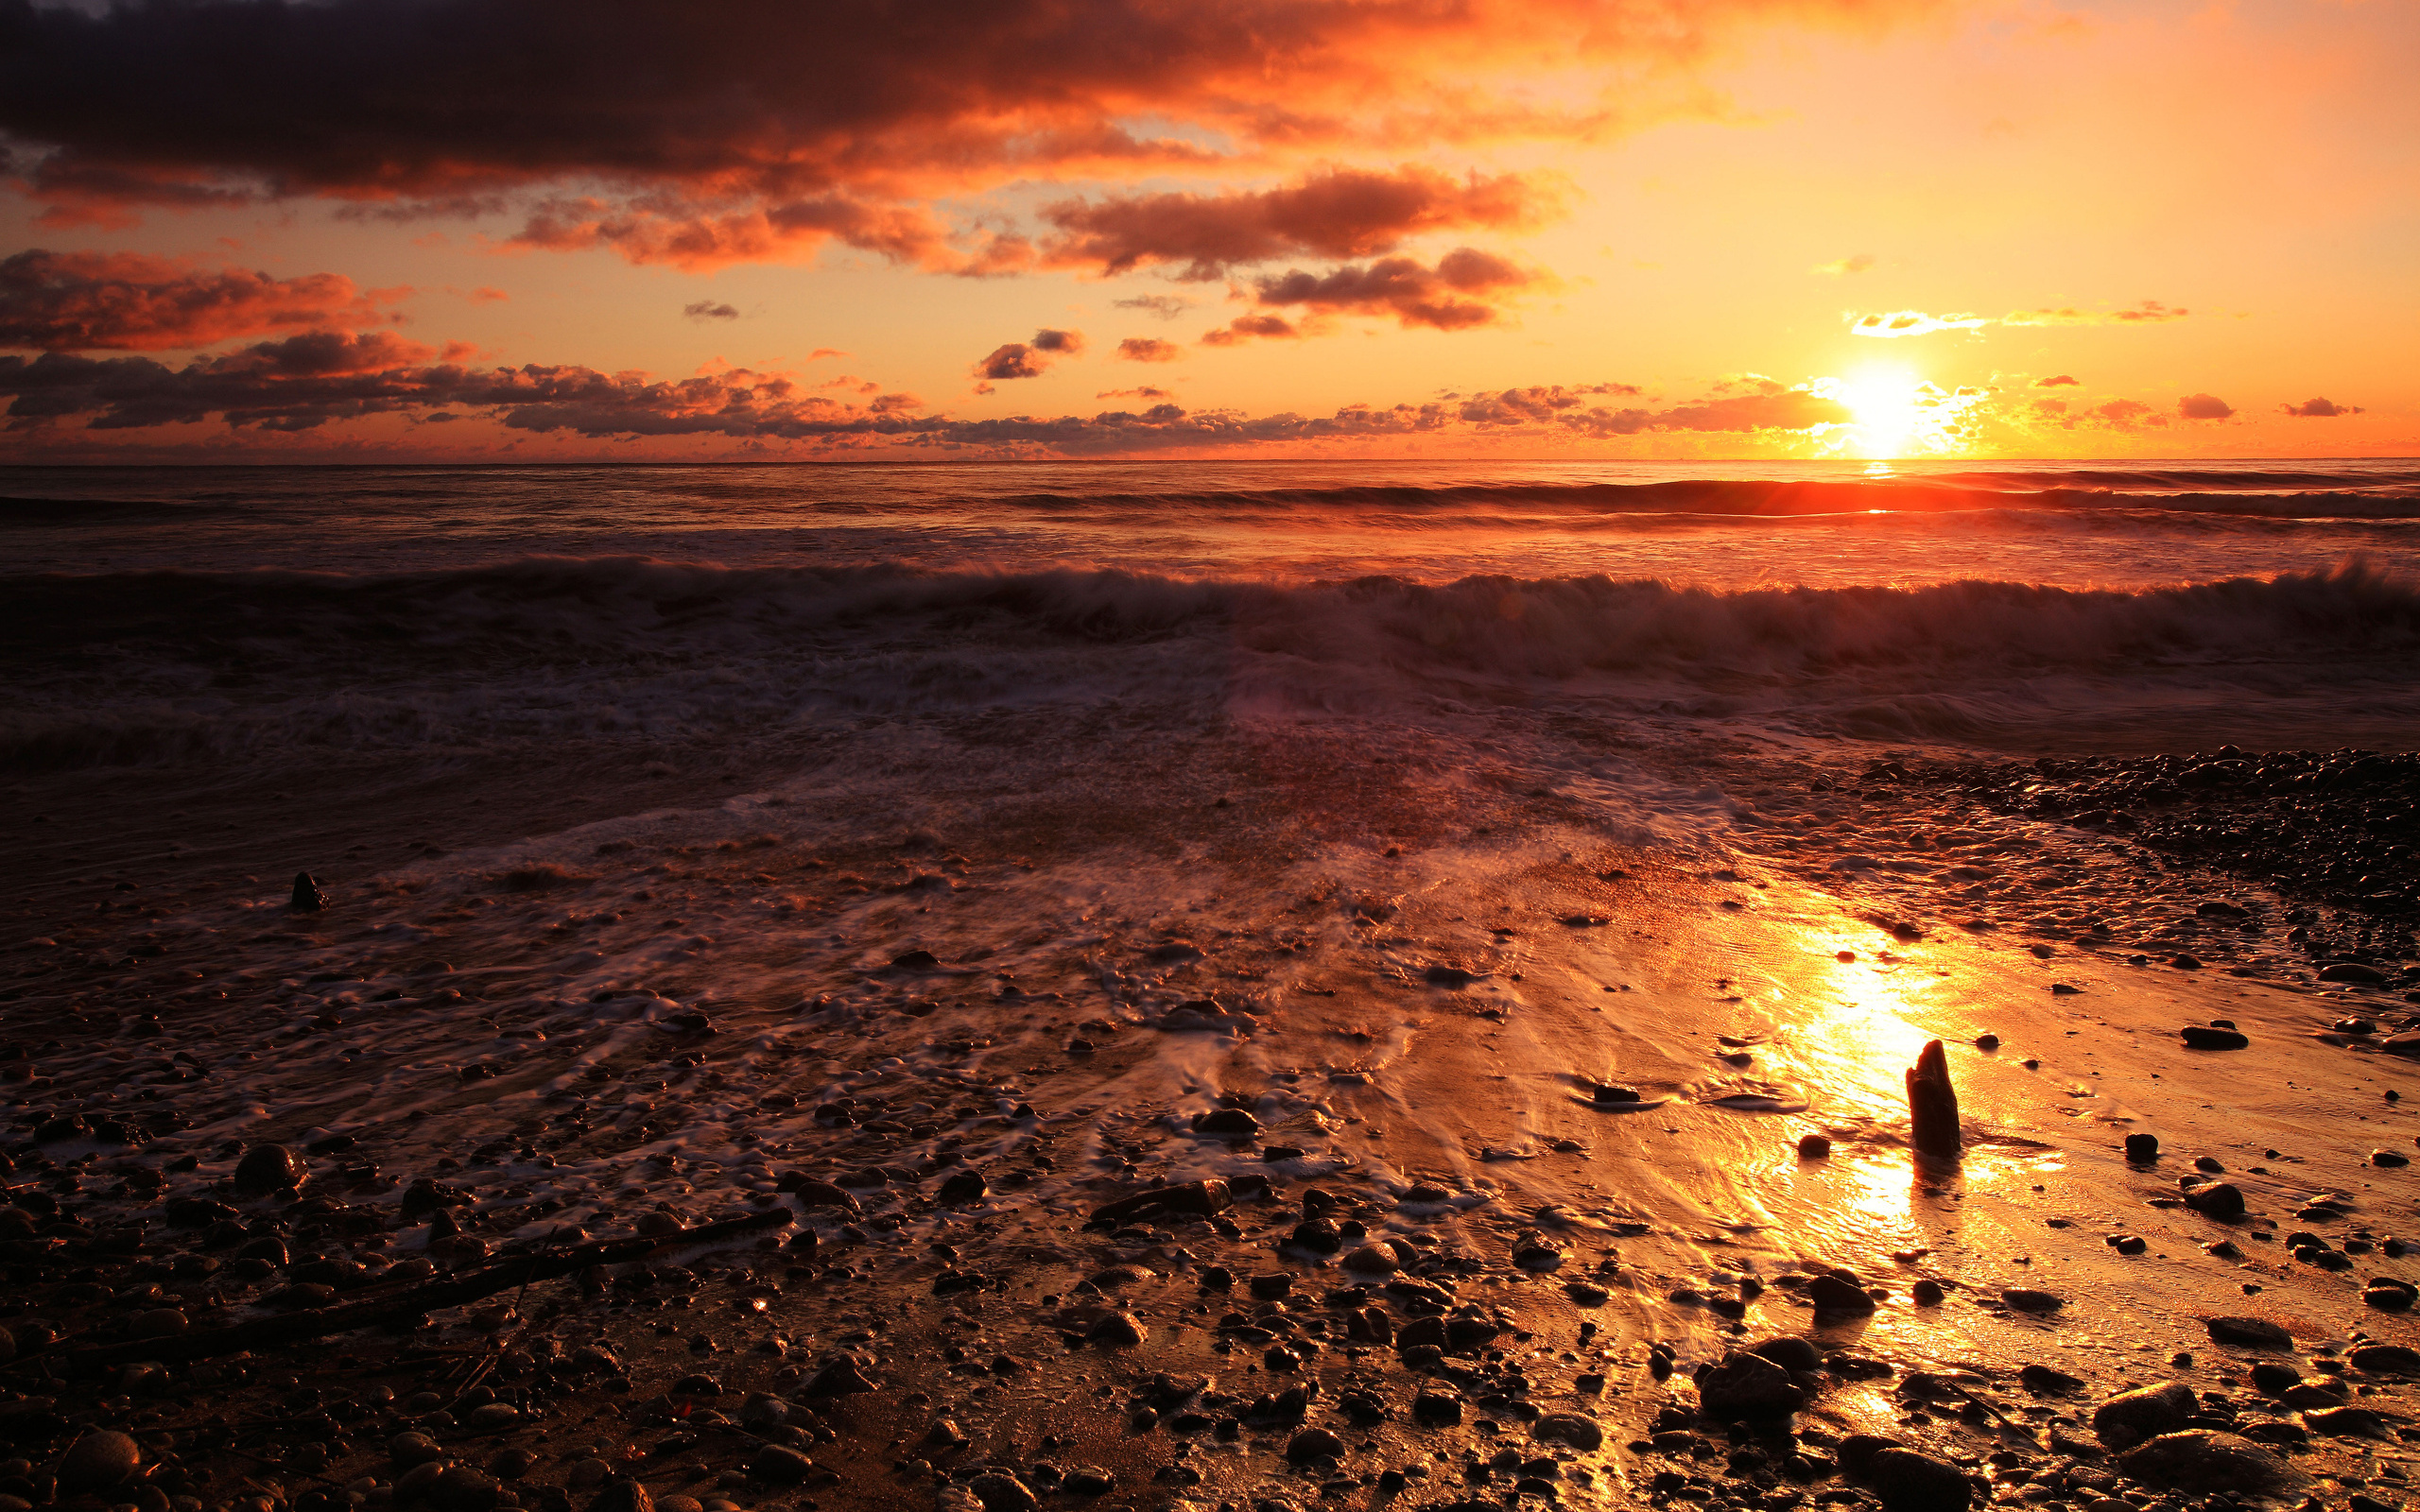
{"points": [[2203, 407], [2319, 409], [1856, 264], [122, 302], [1149, 349], [2150, 312], [1464, 289], [1911, 323], [1338, 213]]}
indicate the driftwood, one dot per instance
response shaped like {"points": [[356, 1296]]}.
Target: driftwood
{"points": [[1933, 1104], [343, 1317]]}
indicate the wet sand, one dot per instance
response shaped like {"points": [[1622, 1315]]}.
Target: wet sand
{"points": [[1408, 965]]}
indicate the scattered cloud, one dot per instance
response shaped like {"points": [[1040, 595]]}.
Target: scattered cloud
{"points": [[1064, 343], [1149, 349], [124, 301], [1911, 323], [1027, 359], [1167, 306], [2059, 380], [709, 310], [1337, 213], [1147, 392], [1856, 264], [1245, 328], [1463, 290], [2319, 409], [2150, 312], [2203, 407]]}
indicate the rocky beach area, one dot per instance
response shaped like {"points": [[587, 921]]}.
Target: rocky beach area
{"points": [[1072, 1149]]}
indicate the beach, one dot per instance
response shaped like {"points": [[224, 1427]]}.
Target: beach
{"points": [[1488, 918]]}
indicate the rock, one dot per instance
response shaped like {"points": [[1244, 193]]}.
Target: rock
{"points": [[1570, 1430], [2142, 1146], [2026, 1300], [1088, 1480], [306, 897], [2184, 962], [1467, 1335], [623, 1496], [1204, 1199], [2252, 1332], [1313, 1444], [1747, 1385], [1788, 1353], [1231, 1121], [1373, 1260], [2044, 1381], [414, 1449], [1117, 1330], [1832, 1295], [963, 1187], [1933, 1104], [2203, 1037], [2345, 1423], [269, 1168], [1437, 1409], [2223, 1200], [2353, 972], [1814, 1147], [777, 1466], [1612, 1093], [2202, 1461], [838, 1377], [2389, 1159], [96, 1462], [460, 1489], [513, 1464], [2390, 1296], [2131, 1417], [2386, 1359], [1857, 1453], [2406, 1043], [1909, 1482]]}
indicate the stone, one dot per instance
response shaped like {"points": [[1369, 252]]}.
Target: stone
{"points": [[267, 1168], [1933, 1104], [2142, 1146], [97, 1462], [2203, 1037], [1117, 1330], [2353, 972], [306, 897], [1814, 1147], [2386, 1359], [1832, 1295], [1373, 1260], [2028, 1299], [2252, 1332], [777, 1466], [460, 1489], [1927, 1293], [623, 1496], [1229, 1121], [2406, 1044], [2223, 1200], [1909, 1481], [2345, 1423], [2200, 1461], [1313, 1444], [1570, 1430], [963, 1187], [1088, 1480], [1747, 1385], [1203, 1199], [2131, 1417], [410, 1450], [2044, 1381], [1789, 1353], [1437, 1409], [838, 1377]]}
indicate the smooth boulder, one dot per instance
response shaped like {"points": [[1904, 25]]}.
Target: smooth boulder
{"points": [[2131, 1417]]}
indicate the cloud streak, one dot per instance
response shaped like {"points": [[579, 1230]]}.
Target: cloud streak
{"points": [[123, 302], [1917, 323]]}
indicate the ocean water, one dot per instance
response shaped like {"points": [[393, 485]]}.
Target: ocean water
{"points": [[660, 808]]}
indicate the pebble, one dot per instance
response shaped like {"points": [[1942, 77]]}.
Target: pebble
{"points": [[97, 1461], [2252, 1332], [1909, 1482], [2142, 1146], [2203, 1037], [1813, 1147], [1570, 1430], [269, 1168], [2200, 1461], [622, 1496], [2131, 1416]]}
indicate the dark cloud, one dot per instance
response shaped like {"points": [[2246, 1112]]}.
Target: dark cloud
{"points": [[2058, 381], [709, 310], [1245, 328], [1013, 360], [311, 380], [1167, 306], [121, 301], [1464, 289], [1149, 349], [2203, 407], [1339, 212], [1147, 392], [2321, 409], [760, 128], [1029, 359]]}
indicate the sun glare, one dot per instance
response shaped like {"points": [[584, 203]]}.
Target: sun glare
{"points": [[1886, 407]]}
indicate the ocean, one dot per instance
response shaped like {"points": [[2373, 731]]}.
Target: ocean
{"points": [[1541, 859]]}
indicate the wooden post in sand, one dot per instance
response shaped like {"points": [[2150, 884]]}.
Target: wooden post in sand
{"points": [[1932, 1104]]}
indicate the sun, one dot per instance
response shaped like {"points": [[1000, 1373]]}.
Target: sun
{"points": [[1887, 410]]}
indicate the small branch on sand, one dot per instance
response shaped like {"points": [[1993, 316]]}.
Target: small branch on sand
{"points": [[1932, 1104]]}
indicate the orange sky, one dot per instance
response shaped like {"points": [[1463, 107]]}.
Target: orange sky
{"points": [[481, 228]]}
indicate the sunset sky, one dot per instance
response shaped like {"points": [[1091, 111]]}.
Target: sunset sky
{"points": [[463, 229]]}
